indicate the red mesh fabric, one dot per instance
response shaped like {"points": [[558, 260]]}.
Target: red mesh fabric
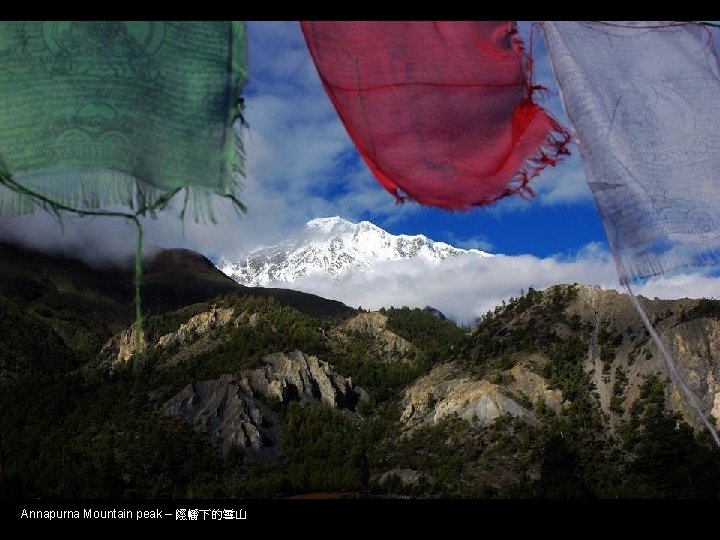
{"points": [[441, 111]]}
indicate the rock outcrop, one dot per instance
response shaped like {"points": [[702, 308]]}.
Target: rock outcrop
{"points": [[200, 324], [231, 409], [389, 346], [120, 348], [446, 391], [296, 376], [693, 341], [250, 319], [407, 477], [226, 409], [534, 387], [696, 347]]}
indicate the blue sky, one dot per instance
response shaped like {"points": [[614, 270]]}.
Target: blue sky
{"points": [[302, 165], [561, 220]]}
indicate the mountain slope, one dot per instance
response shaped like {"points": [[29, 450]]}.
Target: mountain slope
{"points": [[333, 247], [558, 393], [87, 305]]}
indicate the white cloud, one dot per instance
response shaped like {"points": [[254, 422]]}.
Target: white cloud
{"points": [[99, 239], [467, 287], [681, 286], [474, 242], [565, 185], [464, 287]]}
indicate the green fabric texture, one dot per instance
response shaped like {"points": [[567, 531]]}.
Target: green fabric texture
{"points": [[106, 113], [100, 113]]}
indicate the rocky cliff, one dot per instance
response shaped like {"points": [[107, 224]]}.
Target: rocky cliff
{"points": [[226, 409], [387, 345], [448, 390], [233, 410]]}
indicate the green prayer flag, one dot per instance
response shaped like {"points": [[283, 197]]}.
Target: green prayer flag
{"points": [[100, 113], [113, 112]]}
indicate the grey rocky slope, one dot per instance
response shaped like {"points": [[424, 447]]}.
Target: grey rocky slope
{"points": [[233, 412]]}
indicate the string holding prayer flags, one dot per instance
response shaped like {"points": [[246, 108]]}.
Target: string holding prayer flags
{"points": [[440, 111]]}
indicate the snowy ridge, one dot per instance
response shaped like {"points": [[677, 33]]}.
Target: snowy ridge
{"points": [[334, 246]]}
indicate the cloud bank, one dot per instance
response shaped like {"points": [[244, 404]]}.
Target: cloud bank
{"points": [[467, 287]]}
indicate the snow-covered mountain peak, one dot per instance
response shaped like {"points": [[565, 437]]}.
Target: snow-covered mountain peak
{"points": [[329, 225], [333, 246]]}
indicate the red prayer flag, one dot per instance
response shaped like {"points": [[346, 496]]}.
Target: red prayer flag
{"points": [[441, 111]]}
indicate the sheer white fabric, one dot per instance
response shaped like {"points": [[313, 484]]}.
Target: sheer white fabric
{"points": [[644, 100]]}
